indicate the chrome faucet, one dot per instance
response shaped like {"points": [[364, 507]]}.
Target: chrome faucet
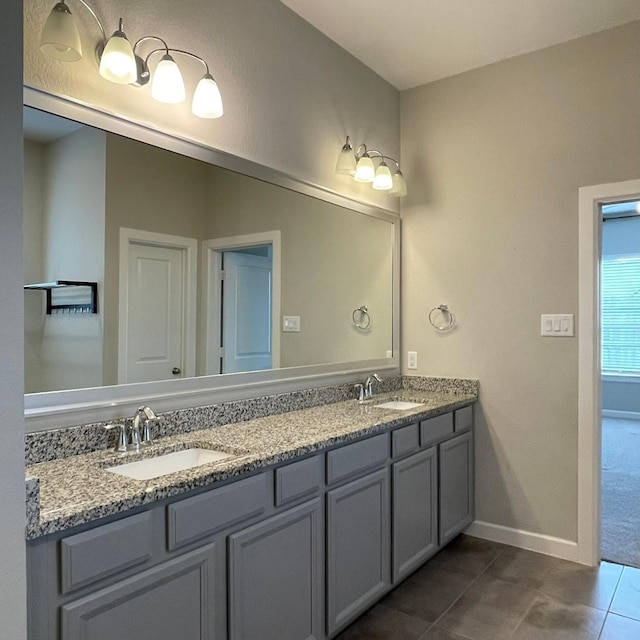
{"points": [[138, 435], [144, 437], [366, 390], [368, 385]]}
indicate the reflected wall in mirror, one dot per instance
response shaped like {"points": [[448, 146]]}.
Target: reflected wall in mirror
{"points": [[200, 270]]}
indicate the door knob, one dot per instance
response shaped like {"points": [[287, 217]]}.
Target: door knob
{"points": [[176, 371]]}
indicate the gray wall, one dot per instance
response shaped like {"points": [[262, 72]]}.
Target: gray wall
{"points": [[12, 496], [495, 158], [619, 393], [63, 240]]}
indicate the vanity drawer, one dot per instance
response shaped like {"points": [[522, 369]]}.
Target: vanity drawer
{"points": [[92, 555], [463, 419], [434, 429], [204, 514], [405, 440], [354, 459], [299, 479]]}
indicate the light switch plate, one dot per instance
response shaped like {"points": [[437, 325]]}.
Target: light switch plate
{"points": [[557, 325], [412, 359], [291, 324]]}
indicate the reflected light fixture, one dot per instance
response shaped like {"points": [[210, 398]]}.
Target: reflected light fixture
{"points": [[120, 63], [359, 164]]}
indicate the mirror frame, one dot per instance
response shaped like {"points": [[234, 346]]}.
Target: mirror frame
{"points": [[81, 406]]}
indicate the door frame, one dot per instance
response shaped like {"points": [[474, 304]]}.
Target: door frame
{"points": [[211, 291], [589, 361], [189, 248]]}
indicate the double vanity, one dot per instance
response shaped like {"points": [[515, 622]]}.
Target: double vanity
{"points": [[304, 520]]}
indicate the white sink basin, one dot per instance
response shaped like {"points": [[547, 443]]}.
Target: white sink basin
{"points": [[398, 405], [168, 463]]}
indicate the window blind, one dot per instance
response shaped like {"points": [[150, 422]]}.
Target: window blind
{"points": [[620, 293]]}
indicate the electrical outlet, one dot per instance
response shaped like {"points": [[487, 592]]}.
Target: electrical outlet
{"points": [[412, 359]]}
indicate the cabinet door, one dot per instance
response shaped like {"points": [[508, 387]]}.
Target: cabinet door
{"points": [[274, 577], [456, 486], [358, 561], [172, 600], [415, 512]]}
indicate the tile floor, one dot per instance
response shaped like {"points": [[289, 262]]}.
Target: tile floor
{"points": [[479, 590]]}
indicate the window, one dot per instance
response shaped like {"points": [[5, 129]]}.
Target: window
{"points": [[620, 281]]}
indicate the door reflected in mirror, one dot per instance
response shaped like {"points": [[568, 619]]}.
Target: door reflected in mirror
{"points": [[200, 270]]}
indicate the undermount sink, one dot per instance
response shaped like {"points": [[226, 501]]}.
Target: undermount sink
{"points": [[399, 405], [150, 468]]}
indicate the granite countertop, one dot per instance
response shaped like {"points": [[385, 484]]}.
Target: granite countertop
{"points": [[75, 490]]}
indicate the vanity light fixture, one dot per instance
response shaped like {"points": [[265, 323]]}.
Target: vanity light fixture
{"points": [[360, 165], [119, 61]]}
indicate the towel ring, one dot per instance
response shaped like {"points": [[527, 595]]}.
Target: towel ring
{"points": [[446, 315], [364, 319]]}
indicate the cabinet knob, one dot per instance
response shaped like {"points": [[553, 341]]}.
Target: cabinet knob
{"points": [[176, 371]]}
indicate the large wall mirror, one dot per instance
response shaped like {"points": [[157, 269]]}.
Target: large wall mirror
{"points": [[214, 275]]}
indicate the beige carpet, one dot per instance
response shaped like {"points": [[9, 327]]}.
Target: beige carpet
{"points": [[621, 491]]}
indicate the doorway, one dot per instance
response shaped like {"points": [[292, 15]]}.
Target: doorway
{"points": [[620, 346], [242, 303], [591, 199]]}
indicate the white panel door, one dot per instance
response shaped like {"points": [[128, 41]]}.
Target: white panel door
{"points": [[155, 301], [246, 312]]}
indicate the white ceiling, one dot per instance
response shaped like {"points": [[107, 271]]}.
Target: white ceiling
{"points": [[412, 42]]}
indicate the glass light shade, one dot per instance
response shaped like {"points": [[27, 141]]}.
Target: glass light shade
{"points": [[118, 64], [399, 187], [346, 163], [60, 38], [207, 101], [167, 84], [365, 171], [383, 180]]}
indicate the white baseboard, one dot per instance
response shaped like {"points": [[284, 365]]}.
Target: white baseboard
{"points": [[557, 547], [627, 415]]}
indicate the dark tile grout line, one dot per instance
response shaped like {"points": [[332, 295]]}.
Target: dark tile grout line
{"points": [[435, 622], [607, 611]]}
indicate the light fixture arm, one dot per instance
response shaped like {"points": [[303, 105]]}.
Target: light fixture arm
{"points": [[143, 65], [374, 153], [95, 17], [144, 38], [194, 56]]}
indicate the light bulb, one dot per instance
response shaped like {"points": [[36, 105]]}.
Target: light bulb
{"points": [[118, 63], [365, 171], [207, 101], [60, 38], [382, 180], [167, 84], [346, 163]]}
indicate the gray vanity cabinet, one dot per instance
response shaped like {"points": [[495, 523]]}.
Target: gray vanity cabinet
{"points": [[172, 600], [358, 554], [456, 486], [291, 553], [415, 511], [274, 590]]}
